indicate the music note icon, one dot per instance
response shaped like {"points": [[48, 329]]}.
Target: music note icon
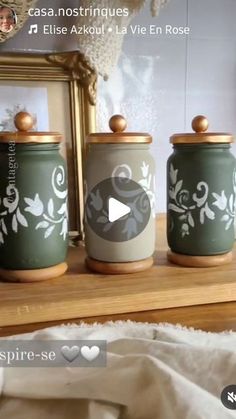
{"points": [[33, 29]]}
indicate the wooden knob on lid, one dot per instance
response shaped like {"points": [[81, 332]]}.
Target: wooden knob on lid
{"points": [[24, 121], [200, 124], [118, 123]]}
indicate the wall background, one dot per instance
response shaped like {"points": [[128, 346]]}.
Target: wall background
{"points": [[162, 82]]}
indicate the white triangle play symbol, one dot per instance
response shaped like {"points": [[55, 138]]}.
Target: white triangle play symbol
{"points": [[117, 210]]}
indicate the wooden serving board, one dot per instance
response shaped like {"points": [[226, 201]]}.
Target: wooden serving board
{"points": [[81, 294]]}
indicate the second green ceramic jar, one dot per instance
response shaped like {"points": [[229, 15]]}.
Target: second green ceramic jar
{"points": [[201, 190]]}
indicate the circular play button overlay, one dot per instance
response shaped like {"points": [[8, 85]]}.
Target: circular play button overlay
{"points": [[117, 209]]}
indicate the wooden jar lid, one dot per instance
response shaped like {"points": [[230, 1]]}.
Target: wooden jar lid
{"points": [[200, 126], [118, 125], [24, 122]]}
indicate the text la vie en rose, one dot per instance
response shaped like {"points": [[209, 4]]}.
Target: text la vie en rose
{"points": [[136, 30]]}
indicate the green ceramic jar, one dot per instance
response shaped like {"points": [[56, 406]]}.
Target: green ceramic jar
{"points": [[201, 191], [33, 204], [119, 167]]}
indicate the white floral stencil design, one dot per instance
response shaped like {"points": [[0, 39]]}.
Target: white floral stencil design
{"points": [[191, 207], [50, 216], [9, 207], [148, 184], [227, 205], [139, 197], [138, 202]]}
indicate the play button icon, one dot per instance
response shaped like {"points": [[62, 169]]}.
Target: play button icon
{"points": [[117, 210]]}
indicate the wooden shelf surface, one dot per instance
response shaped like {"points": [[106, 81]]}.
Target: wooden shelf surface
{"points": [[81, 294]]}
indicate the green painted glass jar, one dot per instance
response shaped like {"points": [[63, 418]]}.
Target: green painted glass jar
{"points": [[33, 204], [120, 200], [201, 197]]}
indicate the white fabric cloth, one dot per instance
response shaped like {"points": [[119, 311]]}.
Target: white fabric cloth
{"points": [[153, 372]]}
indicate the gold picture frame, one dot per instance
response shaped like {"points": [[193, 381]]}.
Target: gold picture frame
{"points": [[79, 83]]}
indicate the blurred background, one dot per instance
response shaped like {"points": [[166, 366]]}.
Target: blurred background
{"points": [[162, 82]]}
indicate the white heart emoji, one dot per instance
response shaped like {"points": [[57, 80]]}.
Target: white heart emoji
{"points": [[90, 354]]}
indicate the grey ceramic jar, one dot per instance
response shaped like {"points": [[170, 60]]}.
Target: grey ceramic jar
{"points": [[33, 204], [119, 168], [201, 191]]}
